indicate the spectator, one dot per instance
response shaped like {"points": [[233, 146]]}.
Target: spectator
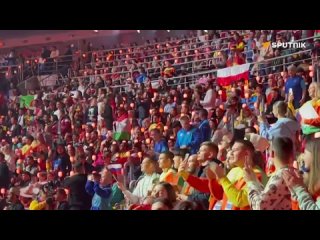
{"points": [[188, 205], [25, 179], [61, 199], [298, 87], [54, 54], [160, 144], [4, 172], [276, 195], [166, 191], [78, 198], [193, 168], [99, 187], [31, 166], [235, 194], [13, 200], [168, 70], [108, 114], [145, 184], [188, 137], [284, 127], [204, 126], [142, 76], [10, 157], [170, 104], [161, 204], [207, 153], [61, 161], [314, 93], [251, 46], [310, 170], [209, 99]]}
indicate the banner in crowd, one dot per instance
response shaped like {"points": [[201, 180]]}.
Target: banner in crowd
{"points": [[25, 101], [307, 111], [121, 129], [226, 76], [115, 169]]}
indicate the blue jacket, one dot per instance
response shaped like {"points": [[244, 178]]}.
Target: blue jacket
{"points": [[161, 146], [101, 196], [191, 139], [284, 127], [141, 78], [205, 130]]}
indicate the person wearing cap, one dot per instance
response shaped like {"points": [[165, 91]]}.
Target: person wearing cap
{"points": [[13, 200]]}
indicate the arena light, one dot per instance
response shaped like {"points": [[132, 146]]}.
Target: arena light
{"points": [[168, 30], [138, 31], [96, 31], [206, 31]]}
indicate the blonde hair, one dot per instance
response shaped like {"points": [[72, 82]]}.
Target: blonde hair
{"points": [[313, 181], [317, 89]]}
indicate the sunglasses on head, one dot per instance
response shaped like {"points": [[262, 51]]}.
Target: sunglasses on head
{"points": [[304, 169]]}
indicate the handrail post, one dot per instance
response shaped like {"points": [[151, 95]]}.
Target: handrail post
{"points": [[316, 68]]}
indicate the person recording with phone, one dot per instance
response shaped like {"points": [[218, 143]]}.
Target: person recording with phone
{"points": [[207, 154], [99, 187], [298, 86]]}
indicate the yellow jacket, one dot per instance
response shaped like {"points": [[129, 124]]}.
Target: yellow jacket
{"points": [[238, 197], [35, 205]]}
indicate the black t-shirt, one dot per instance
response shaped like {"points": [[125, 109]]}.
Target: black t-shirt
{"points": [[63, 206], [78, 196], [4, 175]]}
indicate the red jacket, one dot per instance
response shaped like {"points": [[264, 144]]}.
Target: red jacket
{"points": [[206, 186]]}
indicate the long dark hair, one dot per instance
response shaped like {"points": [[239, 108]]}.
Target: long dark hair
{"points": [[189, 205], [172, 197]]}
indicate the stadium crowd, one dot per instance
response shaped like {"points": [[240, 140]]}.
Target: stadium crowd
{"points": [[107, 137]]}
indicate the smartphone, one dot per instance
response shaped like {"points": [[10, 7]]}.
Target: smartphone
{"points": [[186, 157], [290, 91]]}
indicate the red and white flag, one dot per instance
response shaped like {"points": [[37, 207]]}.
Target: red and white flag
{"points": [[227, 76]]}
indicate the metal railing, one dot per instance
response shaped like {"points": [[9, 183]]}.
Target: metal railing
{"points": [[158, 67], [213, 72], [190, 62]]}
